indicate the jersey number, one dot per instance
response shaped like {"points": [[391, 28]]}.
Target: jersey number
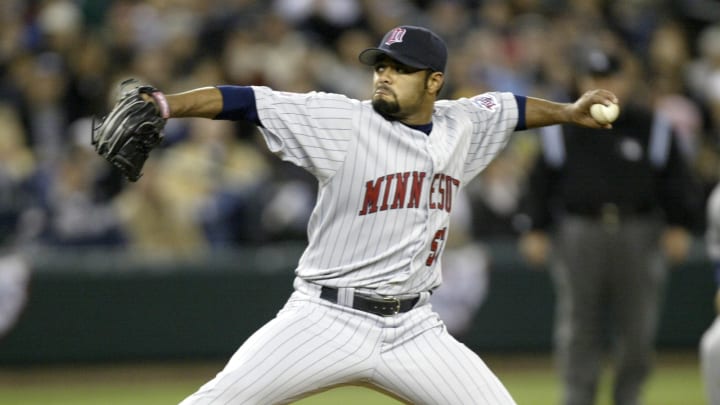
{"points": [[436, 246]]}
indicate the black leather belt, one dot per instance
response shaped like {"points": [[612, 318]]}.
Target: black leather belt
{"points": [[379, 306]]}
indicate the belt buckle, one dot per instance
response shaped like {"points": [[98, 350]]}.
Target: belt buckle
{"points": [[396, 305]]}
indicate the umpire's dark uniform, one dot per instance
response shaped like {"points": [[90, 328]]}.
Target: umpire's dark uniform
{"points": [[607, 196]]}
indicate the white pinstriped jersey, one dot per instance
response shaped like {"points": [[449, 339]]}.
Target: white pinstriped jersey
{"points": [[385, 189]]}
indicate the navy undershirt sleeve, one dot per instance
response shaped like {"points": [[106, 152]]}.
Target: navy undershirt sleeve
{"points": [[521, 101], [238, 104]]}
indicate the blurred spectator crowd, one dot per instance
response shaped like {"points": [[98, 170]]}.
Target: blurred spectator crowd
{"points": [[213, 184]]}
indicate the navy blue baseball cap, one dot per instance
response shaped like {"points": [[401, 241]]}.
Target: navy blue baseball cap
{"points": [[416, 47]]}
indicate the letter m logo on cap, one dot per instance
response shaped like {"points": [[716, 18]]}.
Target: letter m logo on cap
{"points": [[395, 36]]}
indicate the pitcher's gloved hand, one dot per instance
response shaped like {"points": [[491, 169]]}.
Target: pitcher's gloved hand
{"points": [[134, 126]]}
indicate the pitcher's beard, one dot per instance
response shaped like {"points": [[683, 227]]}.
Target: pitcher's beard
{"points": [[386, 108]]}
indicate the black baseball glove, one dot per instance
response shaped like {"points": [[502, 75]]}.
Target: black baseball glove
{"points": [[127, 134]]}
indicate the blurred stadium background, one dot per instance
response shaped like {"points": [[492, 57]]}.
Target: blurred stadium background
{"points": [[154, 284]]}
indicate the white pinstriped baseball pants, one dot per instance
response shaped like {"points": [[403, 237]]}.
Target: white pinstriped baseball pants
{"points": [[313, 345], [710, 362]]}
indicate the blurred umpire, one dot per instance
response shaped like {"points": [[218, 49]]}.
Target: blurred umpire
{"points": [[617, 207]]}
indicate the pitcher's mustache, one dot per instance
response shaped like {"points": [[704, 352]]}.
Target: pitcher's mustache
{"points": [[385, 89]]}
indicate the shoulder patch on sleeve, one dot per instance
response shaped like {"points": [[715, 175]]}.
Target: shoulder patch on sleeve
{"points": [[486, 102]]}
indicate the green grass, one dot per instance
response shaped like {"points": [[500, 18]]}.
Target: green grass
{"points": [[675, 381], [530, 379]]}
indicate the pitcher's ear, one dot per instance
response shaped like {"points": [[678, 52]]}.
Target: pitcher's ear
{"points": [[435, 82]]}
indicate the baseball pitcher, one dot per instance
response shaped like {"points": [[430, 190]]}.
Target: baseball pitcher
{"points": [[388, 170]]}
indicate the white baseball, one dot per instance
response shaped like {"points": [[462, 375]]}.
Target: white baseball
{"points": [[604, 114]]}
